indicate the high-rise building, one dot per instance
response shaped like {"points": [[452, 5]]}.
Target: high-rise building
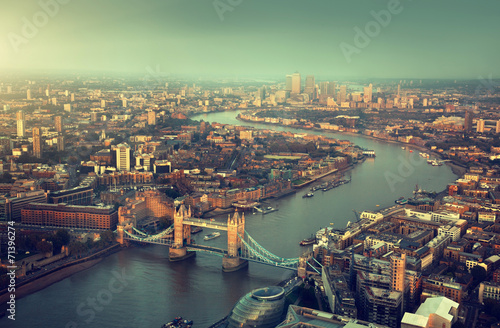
{"points": [[37, 142], [310, 84], [28, 94], [323, 88], [124, 102], [497, 128], [60, 143], [122, 155], [296, 87], [288, 86], [151, 117], [480, 126], [20, 124], [398, 272], [331, 89], [469, 115], [342, 93], [367, 94], [58, 123], [103, 103], [72, 97]]}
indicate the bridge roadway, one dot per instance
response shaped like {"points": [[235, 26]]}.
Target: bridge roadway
{"points": [[203, 223]]}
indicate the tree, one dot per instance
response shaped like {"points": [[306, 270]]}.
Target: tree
{"points": [[44, 246], [479, 273], [77, 248], [108, 237]]}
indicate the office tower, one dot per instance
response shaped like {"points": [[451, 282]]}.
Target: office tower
{"points": [[37, 143], [28, 94], [67, 107], [72, 97], [103, 103], [288, 86], [399, 89], [66, 93], [122, 154], [469, 115], [124, 102], [262, 93], [310, 84], [480, 126], [296, 88], [58, 123], [323, 88], [342, 93], [60, 143], [424, 102], [331, 89], [497, 129], [20, 124], [151, 117]]}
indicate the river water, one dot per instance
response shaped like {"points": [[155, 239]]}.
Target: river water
{"points": [[139, 287]]}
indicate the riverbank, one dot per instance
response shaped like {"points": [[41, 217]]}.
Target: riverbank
{"points": [[457, 169], [34, 284]]}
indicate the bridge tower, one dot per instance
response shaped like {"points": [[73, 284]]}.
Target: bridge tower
{"points": [[182, 235], [235, 225]]}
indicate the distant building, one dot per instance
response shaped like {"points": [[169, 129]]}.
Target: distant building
{"points": [[480, 126], [151, 118], [20, 119], [122, 154], [296, 86], [37, 142], [58, 124], [288, 85], [469, 115]]}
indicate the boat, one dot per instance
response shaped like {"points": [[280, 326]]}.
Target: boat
{"points": [[308, 241], [178, 323], [269, 209], [213, 235], [196, 230], [401, 201], [403, 148], [309, 194]]}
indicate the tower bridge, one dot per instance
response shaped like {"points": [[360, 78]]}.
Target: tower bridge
{"points": [[241, 247]]}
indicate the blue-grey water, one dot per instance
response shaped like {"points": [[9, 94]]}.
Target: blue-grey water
{"points": [[138, 287]]}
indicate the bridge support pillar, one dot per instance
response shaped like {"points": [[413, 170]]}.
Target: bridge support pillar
{"points": [[231, 264], [179, 253]]}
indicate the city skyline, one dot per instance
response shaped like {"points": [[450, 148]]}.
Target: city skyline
{"points": [[252, 38]]}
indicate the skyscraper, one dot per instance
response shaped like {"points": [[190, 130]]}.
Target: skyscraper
{"points": [[468, 120], [342, 93], [20, 124], [37, 143], [58, 123], [288, 86], [122, 154], [28, 94], [331, 89], [310, 84], [497, 128], [296, 87]]}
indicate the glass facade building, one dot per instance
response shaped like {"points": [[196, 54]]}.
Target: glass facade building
{"points": [[262, 307]]}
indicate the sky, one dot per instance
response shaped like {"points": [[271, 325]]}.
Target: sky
{"points": [[330, 39]]}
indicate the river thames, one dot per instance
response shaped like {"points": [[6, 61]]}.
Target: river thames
{"points": [[139, 287]]}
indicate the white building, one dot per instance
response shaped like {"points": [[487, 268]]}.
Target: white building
{"points": [[435, 312], [122, 152]]}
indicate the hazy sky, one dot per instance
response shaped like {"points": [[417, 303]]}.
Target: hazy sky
{"points": [[424, 39]]}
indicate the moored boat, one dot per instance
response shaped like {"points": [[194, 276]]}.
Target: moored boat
{"points": [[308, 241], [309, 194]]}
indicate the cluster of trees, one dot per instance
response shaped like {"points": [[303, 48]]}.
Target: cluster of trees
{"points": [[79, 248]]}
